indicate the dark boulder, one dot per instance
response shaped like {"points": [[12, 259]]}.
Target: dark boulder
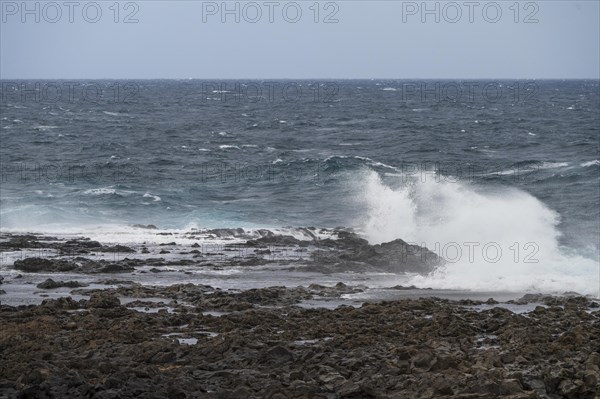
{"points": [[399, 256], [36, 265], [103, 300], [49, 284], [352, 253], [144, 226], [275, 240], [278, 355], [117, 249]]}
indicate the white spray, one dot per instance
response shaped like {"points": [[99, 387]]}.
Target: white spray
{"points": [[504, 239]]}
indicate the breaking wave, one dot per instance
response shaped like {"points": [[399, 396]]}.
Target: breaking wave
{"points": [[493, 239]]}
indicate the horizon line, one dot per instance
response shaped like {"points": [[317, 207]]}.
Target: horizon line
{"points": [[305, 78]]}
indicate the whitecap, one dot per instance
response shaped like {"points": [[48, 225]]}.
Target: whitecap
{"points": [[369, 161], [43, 127], [590, 163], [155, 198], [100, 191], [552, 165]]}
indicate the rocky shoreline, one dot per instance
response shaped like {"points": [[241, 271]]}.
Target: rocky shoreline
{"points": [[342, 250], [192, 341], [113, 335]]}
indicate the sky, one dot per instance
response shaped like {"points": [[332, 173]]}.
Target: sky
{"points": [[149, 39]]}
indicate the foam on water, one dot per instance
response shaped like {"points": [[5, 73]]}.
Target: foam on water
{"points": [[497, 239], [595, 162]]}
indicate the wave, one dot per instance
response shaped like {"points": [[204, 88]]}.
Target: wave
{"points": [[49, 218], [534, 164], [595, 162], [361, 161], [43, 128], [155, 198], [118, 233], [528, 166], [100, 191], [498, 239], [552, 165]]}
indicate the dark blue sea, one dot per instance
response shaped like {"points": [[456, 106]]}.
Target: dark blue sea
{"points": [[502, 178]]}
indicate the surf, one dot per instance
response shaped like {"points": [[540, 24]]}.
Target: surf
{"points": [[493, 238]]}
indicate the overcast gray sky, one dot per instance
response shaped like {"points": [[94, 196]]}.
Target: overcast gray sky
{"points": [[371, 39]]}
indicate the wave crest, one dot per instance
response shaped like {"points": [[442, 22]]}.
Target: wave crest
{"points": [[499, 239]]}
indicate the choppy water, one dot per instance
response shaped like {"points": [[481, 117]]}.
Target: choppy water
{"points": [[519, 174]]}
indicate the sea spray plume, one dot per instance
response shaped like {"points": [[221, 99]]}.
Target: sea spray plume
{"points": [[391, 213], [500, 238]]}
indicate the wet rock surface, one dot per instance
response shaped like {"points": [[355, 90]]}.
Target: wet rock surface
{"points": [[261, 344], [13, 242], [342, 251], [75, 265], [128, 340], [50, 284]]}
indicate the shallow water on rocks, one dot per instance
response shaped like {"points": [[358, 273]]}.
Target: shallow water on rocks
{"points": [[515, 308]]}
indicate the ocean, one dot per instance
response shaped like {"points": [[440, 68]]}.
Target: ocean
{"points": [[500, 178]]}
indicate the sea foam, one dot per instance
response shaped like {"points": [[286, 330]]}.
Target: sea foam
{"points": [[494, 239]]}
